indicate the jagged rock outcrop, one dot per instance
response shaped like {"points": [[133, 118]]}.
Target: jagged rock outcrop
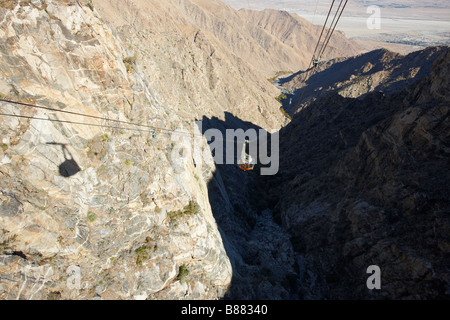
{"points": [[380, 70], [365, 182], [95, 212]]}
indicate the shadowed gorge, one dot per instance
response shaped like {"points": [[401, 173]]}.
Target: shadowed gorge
{"points": [[262, 257], [364, 181], [113, 187]]}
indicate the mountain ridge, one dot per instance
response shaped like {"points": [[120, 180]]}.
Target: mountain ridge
{"points": [[368, 188], [378, 70]]}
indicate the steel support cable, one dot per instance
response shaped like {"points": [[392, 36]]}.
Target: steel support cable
{"points": [[317, 46], [85, 115], [321, 33], [115, 127], [329, 29], [71, 122], [149, 129], [325, 43], [329, 34], [334, 27]]}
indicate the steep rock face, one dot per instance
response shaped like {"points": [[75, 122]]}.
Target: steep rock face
{"points": [[199, 72], [110, 213], [189, 66], [368, 185], [95, 212], [206, 57]]}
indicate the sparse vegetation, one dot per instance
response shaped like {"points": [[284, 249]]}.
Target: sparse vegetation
{"points": [[277, 75], [130, 63], [130, 59], [285, 113], [4, 147], [90, 5], [142, 254], [6, 240], [191, 209], [183, 273], [105, 137], [91, 216], [281, 97]]}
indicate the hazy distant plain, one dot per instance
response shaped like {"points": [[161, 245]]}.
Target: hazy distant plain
{"points": [[406, 25]]}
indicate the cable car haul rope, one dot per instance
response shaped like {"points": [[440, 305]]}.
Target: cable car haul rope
{"points": [[317, 55], [148, 128], [246, 162], [332, 27]]}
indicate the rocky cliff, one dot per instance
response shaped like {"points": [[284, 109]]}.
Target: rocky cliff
{"points": [[189, 67], [205, 57], [365, 182], [380, 70], [95, 212], [102, 209], [99, 207]]}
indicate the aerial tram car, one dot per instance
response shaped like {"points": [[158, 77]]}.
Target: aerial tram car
{"points": [[246, 161]]}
